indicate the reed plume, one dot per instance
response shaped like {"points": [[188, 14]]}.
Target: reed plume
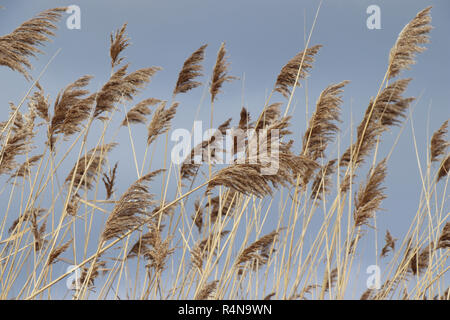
{"points": [[40, 103], [207, 292], [300, 64], [438, 144], [444, 239], [118, 42], [22, 43], [72, 106], [138, 113], [191, 70], [321, 128], [205, 150], [109, 181], [420, 260], [197, 216], [24, 169], [56, 252], [406, 47], [322, 181], [257, 254], [444, 168], [389, 244], [160, 122], [203, 247], [121, 86], [153, 249], [132, 209], [220, 76], [19, 142], [85, 171], [370, 195], [388, 110]]}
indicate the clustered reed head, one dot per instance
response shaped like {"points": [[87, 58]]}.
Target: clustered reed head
{"points": [[109, 181], [153, 248], [220, 76], [321, 128], [138, 113], [72, 106], [205, 150], [191, 70], [298, 65], [23, 42], [121, 86], [322, 181], [88, 167], [370, 195], [19, 142], [40, 103], [258, 253], [406, 47], [131, 210], [385, 111], [119, 42], [439, 144], [389, 244], [160, 122]]}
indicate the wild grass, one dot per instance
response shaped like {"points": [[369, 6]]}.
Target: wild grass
{"points": [[245, 234]]}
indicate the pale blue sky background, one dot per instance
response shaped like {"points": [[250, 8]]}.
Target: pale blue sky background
{"points": [[261, 36]]}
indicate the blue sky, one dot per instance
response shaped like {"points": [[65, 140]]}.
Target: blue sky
{"points": [[261, 36]]}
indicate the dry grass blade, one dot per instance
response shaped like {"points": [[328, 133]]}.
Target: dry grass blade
{"points": [[288, 74], [370, 195], [138, 113], [119, 41], [403, 53], [160, 122], [191, 70], [23, 42], [389, 244], [438, 143], [131, 210], [87, 167], [321, 128], [219, 76], [109, 180]]}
